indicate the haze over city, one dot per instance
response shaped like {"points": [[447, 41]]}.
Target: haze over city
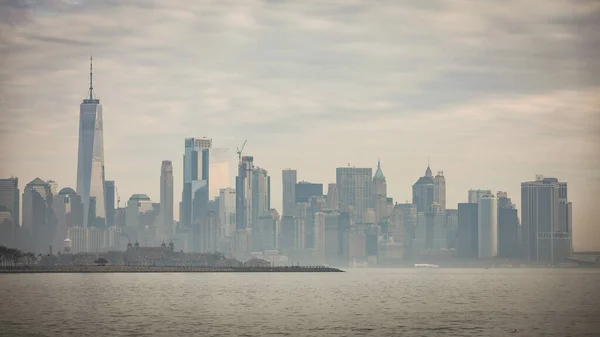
{"points": [[299, 168], [492, 95]]}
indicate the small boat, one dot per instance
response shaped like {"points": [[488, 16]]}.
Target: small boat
{"points": [[425, 265]]}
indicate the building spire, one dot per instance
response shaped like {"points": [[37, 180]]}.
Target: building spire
{"points": [[428, 170], [379, 173], [91, 84]]}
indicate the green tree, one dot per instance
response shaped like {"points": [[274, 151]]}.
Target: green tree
{"points": [[29, 258], [3, 256], [14, 255]]}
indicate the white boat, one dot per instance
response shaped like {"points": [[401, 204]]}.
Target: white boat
{"points": [[425, 265]]}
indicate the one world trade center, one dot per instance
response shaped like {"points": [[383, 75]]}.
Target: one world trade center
{"points": [[90, 161]]}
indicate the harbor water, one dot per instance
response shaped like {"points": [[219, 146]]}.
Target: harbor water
{"points": [[361, 302]]}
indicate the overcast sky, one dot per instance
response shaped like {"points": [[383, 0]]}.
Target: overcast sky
{"points": [[493, 92]]}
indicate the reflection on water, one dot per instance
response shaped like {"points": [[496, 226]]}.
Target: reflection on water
{"points": [[374, 302]]}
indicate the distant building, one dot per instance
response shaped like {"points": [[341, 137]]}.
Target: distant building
{"points": [[546, 220], [243, 194], [475, 195], [423, 195], [354, 245], [379, 194], [305, 190], [167, 229], [219, 171], [110, 191], [196, 161], [78, 237], [90, 161], [287, 234], [332, 236], [38, 215], [409, 215], [227, 211], [137, 205], [508, 235], [261, 193], [91, 240], [487, 230], [289, 178], [439, 190], [208, 234], [467, 245], [265, 233], [10, 201], [333, 198], [315, 224], [355, 190], [451, 227], [53, 186]]}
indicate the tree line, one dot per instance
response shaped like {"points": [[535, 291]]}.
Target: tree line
{"points": [[11, 257]]}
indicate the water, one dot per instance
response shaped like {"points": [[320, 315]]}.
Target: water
{"points": [[362, 302]]}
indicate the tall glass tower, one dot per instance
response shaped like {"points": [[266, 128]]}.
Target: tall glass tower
{"points": [[90, 161], [195, 196]]}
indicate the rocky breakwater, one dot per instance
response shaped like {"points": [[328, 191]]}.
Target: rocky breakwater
{"points": [[164, 269]]}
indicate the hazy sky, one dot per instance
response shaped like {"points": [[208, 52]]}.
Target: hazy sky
{"points": [[493, 92]]}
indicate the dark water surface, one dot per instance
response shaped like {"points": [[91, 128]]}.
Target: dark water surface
{"points": [[361, 302]]}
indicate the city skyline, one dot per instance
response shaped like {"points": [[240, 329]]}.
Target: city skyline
{"points": [[485, 128]]}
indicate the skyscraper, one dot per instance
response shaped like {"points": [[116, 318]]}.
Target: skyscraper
{"points": [[109, 190], [9, 198], [260, 193], [355, 190], [379, 194], [289, 178], [195, 179], [166, 200], [37, 210], [265, 232], [467, 238], [409, 217], [305, 190], [333, 198], [219, 171], [487, 231], [439, 190], [546, 219], [475, 195], [227, 211], [508, 225], [423, 195], [90, 162], [243, 193]]}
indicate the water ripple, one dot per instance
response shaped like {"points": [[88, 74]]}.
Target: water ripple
{"points": [[390, 302]]}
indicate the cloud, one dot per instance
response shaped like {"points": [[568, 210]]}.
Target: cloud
{"points": [[509, 88]]}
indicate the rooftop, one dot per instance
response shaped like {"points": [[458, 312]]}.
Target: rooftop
{"points": [[139, 196]]}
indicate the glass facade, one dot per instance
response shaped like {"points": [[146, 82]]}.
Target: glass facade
{"points": [[90, 163]]}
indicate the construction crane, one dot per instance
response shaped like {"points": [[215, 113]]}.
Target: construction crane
{"points": [[239, 151]]}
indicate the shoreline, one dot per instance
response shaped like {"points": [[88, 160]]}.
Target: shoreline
{"points": [[163, 269]]}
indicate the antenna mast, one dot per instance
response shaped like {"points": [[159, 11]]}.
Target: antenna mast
{"points": [[91, 84]]}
